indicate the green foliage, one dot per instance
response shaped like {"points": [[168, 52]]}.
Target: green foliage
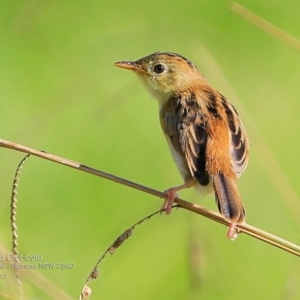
{"points": [[60, 93]]}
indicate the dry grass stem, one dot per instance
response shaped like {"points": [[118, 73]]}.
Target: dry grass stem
{"points": [[266, 26], [86, 291], [248, 229], [6, 296], [13, 222]]}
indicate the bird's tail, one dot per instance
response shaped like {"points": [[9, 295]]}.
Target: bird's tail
{"points": [[228, 199]]}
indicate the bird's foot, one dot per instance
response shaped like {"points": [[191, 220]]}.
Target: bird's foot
{"points": [[232, 232], [168, 203]]}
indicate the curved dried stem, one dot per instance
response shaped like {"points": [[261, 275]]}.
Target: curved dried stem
{"points": [[247, 229], [13, 222], [86, 290]]}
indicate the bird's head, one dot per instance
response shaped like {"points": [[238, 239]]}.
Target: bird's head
{"points": [[164, 73]]}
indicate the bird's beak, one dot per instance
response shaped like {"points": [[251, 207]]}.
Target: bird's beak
{"points": [[130, 65]]}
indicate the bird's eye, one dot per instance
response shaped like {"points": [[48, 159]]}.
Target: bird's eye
{"points": [[159, 68]]}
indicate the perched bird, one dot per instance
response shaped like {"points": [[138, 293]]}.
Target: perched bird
{"points": [[203, 130]]}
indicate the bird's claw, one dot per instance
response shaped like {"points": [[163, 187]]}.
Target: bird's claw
{"points": [[232, 232], [168, 203]]}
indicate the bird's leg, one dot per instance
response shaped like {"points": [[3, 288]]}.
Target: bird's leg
{"points": [[172, 193]]}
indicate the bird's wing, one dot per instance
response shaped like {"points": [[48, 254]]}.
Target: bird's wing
{"points": [[193, 140], [187, 133], [239, 141]]}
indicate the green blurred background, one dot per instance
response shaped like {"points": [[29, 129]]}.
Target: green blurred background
{"points": [[60, 93]]}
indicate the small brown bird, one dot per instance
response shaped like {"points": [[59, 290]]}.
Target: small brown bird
{"points": [[204, 133]]}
